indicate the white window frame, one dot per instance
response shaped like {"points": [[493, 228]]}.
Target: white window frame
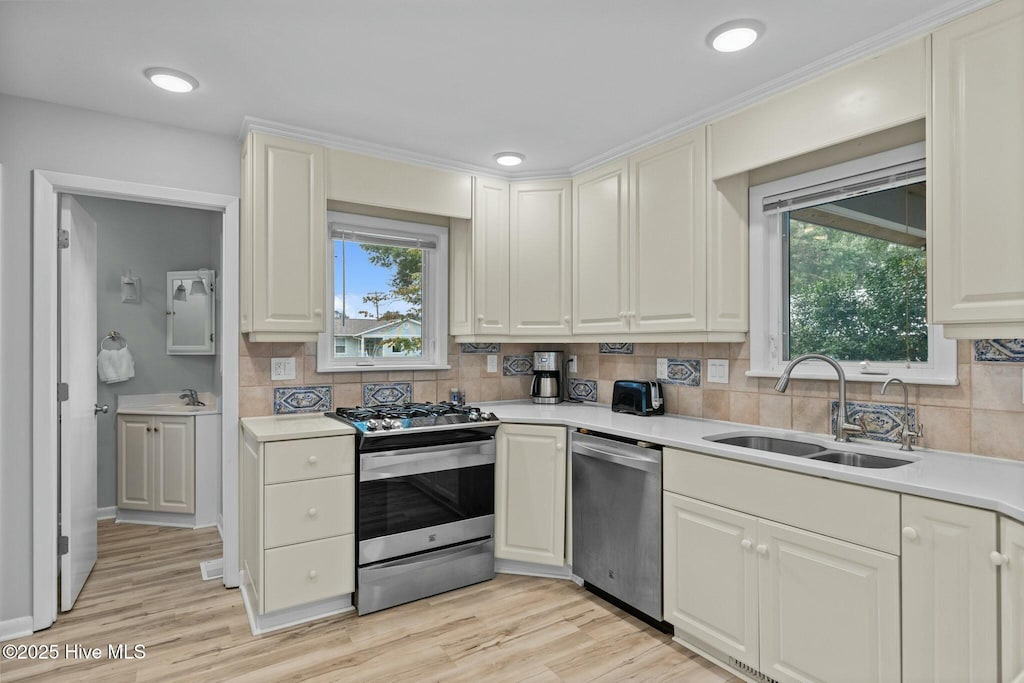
{"points": [[766, 285], [434, 326]]}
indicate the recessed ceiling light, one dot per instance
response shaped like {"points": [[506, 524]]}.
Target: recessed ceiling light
{"points": [[171, 79], [509, 158], [735, 35]]}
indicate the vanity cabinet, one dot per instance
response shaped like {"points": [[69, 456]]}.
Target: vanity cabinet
{"points": [[283, 240], [1011, 589], [156, 460], [530, 494], [975, 172]]}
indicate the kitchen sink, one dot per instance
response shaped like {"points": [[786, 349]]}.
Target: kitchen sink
{"points": [[859, 460], [772, 444]]}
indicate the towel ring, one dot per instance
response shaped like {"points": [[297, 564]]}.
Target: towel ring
{"points": [[114, 336]]}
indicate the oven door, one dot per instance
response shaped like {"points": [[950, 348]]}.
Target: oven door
{"points": [[417, 499]]}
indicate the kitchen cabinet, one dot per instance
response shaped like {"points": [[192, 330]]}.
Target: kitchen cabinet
{"points": [[728, 258], [156, 459], [975, 172], [530, 494], [297, 526], [1011, 584], [461, 320], [540, 258], [283, 240], [950, 617], [491, 255]]}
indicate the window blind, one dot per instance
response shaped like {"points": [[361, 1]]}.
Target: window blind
{"points": [[883, 179], [340, 231]]}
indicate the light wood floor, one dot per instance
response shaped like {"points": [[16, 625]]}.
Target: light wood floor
{"points": [[147, 589]]}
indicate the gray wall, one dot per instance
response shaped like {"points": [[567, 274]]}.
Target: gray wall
{"points": [[40, 135], [151, 240]]}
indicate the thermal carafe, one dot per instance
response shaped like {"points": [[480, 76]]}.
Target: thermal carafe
{"points": [[547, 377]]}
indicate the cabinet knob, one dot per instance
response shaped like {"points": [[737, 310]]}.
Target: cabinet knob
{"points": [[317, 312], [910, 533], [998, 559], [746, 544], [156, 429], [149, 429], [312, 573], [567, 319], [312, 460], [559, 446], [480, 317], [311, 512], [622, 314], [762, 549]]}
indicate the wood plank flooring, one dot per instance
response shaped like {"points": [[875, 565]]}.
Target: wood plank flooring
{"points": [[146, 589]]}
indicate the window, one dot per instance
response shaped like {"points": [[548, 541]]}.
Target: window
{"points": [[388, 288], [838, 267]]}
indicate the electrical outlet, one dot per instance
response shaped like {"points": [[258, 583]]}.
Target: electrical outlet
{"points": [[282, 368], [492, 362], [661, 369], [718, 371], [570, 366]]}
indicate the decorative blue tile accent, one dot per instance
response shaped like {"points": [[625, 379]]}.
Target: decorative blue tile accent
{"points": [[583, 389], [621, 349], [999, 350], [384, 394], [883, 421], [516, 365], [685, 372], [479, 348], [303, 399]]}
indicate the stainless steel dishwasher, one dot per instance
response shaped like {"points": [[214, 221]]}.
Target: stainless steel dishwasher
{"points": [[616, 519]]}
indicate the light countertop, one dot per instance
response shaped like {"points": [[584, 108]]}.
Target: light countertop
{"points": [[284, 427], [983, 482], [165, 404]]}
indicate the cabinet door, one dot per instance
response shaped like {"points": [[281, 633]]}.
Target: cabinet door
{"points": [[829, 610], [1011, 544], [975, 172], [289, 238], [529, 496], [667, 224], [174, 464], [711, 575], [490, 255], [728, 255], [134, 476], [949, 593], [600, 250], [540, 234]]}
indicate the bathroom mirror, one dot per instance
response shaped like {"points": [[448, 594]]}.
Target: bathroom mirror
{"points": [[190, 312]]}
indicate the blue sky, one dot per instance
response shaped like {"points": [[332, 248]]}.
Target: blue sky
{"points": [[363, 277]]}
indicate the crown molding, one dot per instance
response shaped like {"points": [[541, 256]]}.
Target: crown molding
{"points": [[891, 37]]}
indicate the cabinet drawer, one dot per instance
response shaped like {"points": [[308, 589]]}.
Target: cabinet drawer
{"points": [[307, 510], [858, 514], [309, 459], [307, 572]]}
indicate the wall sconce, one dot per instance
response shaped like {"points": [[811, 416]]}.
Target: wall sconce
{"points": [[179, 292], [131, 287], [202, 285]]}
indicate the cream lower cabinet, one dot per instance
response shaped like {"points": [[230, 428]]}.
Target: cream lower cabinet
{"points": [[1011, 583], [297, 508], [530, 494], [156, 461]]}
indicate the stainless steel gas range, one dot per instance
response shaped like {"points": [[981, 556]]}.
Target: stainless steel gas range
{"points": [[425, 503]]}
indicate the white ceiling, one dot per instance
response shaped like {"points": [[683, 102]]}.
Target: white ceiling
{"points": [[451, 81]]}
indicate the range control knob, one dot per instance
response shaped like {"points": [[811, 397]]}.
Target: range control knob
{"points": [[392, 423], [373, 425]]}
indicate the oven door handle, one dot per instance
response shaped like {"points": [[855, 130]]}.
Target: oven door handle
{"points": [[430, 559], [405, 462]]}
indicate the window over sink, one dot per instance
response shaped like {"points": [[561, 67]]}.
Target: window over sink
{"points": [[838, 267]]}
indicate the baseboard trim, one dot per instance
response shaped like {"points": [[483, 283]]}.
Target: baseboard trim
{"points": [[260, 624], [532, 569], [106, 513], [170, 519], [15, 628]]}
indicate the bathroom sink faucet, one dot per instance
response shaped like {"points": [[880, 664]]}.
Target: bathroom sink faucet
{"points": [[191, 398], [845, 427], [908, 437]]}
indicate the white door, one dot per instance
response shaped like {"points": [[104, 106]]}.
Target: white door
{"points": [[77, 417]]}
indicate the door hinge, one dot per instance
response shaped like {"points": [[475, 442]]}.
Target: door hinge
{"points": [[211, 336], [62, 545], [63, 239], [62, 391]]}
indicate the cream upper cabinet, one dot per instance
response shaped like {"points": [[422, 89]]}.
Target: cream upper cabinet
{"points": [[530, 494], [667, 236], [975, 174], [490, 256], [1011, 558], [283, 240], [949, 593], [540, 258], [460, 277], [728, 253], [600, 250]]}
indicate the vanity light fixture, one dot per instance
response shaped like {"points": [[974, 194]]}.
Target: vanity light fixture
{"points": [[509, 158], [733, 36], [171, 80], [179, 292]]}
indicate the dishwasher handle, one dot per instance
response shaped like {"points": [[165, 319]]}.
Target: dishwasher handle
{"points": [[608, 453]]}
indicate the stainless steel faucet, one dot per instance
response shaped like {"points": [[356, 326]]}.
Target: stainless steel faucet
{"points": [[908, 437], [191, 397], [844, 427]]}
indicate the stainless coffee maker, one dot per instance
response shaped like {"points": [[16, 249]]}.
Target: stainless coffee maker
{"points": [[547, 377]]}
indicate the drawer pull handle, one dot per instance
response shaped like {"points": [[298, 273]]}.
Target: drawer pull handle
{"points": [[910, 533], [762, 549], [312, 460], [746, 543], [311, 512], [998, 558], [312, 573]]}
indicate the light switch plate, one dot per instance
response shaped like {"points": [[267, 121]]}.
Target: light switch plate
{"points": [[282, 368], [571, 365], [718, 371], [662, 369], [492, 362]]}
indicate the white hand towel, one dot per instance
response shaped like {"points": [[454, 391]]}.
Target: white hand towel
{"points": [[115, 365]]}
